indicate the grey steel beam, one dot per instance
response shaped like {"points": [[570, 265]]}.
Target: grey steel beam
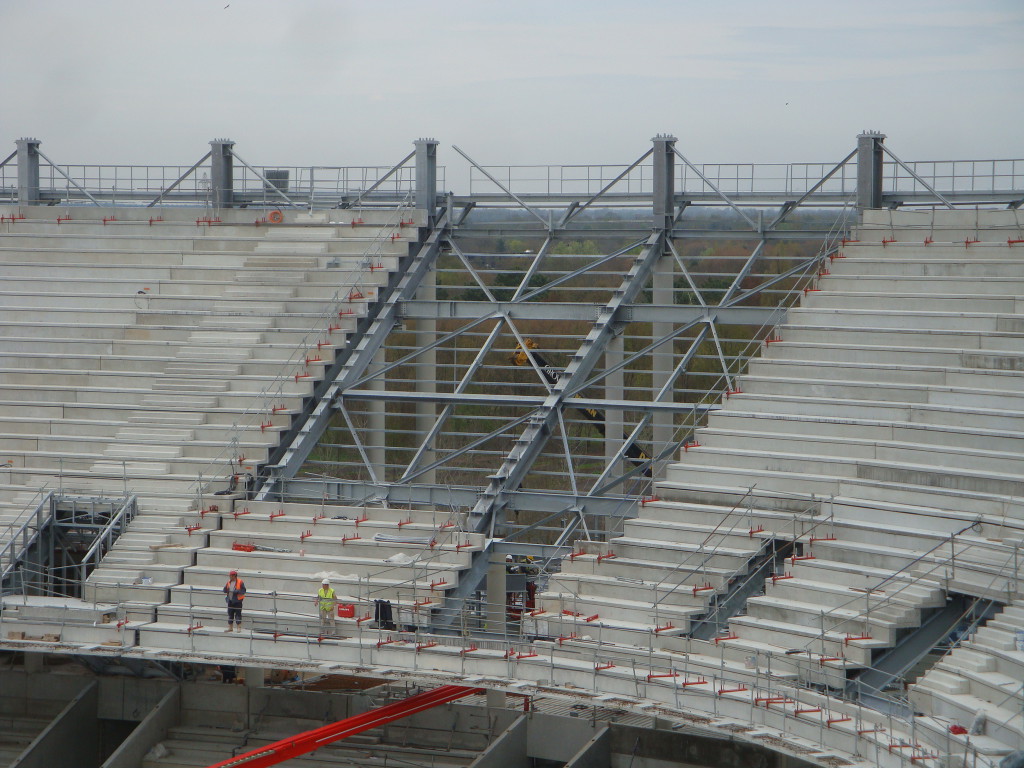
{"points": [[63, 173], [267, 183], [357, 362], [369, 190], [920, 180], [635, 229], [358, 492], [576, 208], [180, 179], [529, 445], [637, 313], [503, 188], [788, 207], [454, 398]]}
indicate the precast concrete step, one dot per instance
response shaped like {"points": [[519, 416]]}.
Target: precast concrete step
{"points": [[278, 276], [221, 370], [994, 419], [834, 299], [939, 455], [654, 529], [839, 335], [927, 375], [902, 319], [193, 402], [140, 452], [598, 611], [251, 293], [571, 584], [767, 425]]}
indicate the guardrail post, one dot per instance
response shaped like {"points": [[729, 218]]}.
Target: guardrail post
{"points": [[28, 171], [222, 178], [426, 177], [869, 170]]}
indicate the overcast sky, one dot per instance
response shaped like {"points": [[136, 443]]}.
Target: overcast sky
{"points": [[333, 82]]}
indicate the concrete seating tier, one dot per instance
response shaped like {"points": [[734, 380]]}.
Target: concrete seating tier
{"points": [[283, 550], [983, 676], [149, 353], [882, 420]]}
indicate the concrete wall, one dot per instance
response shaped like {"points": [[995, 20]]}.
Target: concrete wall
{"points": [[460, 727], [151, 730], [558, 738], [130, 698], [596, 753], [72, 738], [37, 694], [646, 748], [508, 750]]}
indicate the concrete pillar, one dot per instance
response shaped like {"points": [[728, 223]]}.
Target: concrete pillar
{"points": [[614, 383], [377, 420], [662, 278], [254, 677], [869, 169], [426, 177], [222, 178], [495, 608], [28, 171], [426, 381]]}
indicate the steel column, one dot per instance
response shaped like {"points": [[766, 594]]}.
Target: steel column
{"points": [[869, 169], [664, 166], [662, 288], [426, 177], [28, 171], [222, 179]]}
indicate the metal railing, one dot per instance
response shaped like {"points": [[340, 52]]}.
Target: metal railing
{"points": [[751, 179], [23, 534], [317, 186], [114, 527]]}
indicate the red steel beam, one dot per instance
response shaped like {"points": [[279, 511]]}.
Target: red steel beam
{"points": [[300, 744]]}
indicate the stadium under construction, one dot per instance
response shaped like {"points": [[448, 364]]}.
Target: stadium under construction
{"points": [[646, 464]]}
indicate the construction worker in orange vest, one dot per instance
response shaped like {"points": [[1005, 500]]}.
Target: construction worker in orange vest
{"points": [[234, 594]]}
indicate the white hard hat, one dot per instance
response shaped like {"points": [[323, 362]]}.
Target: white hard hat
{"points": [[508, 557], [326, 581]]}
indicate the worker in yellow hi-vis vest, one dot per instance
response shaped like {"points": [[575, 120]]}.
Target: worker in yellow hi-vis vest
{"points": [[327, 602]]}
